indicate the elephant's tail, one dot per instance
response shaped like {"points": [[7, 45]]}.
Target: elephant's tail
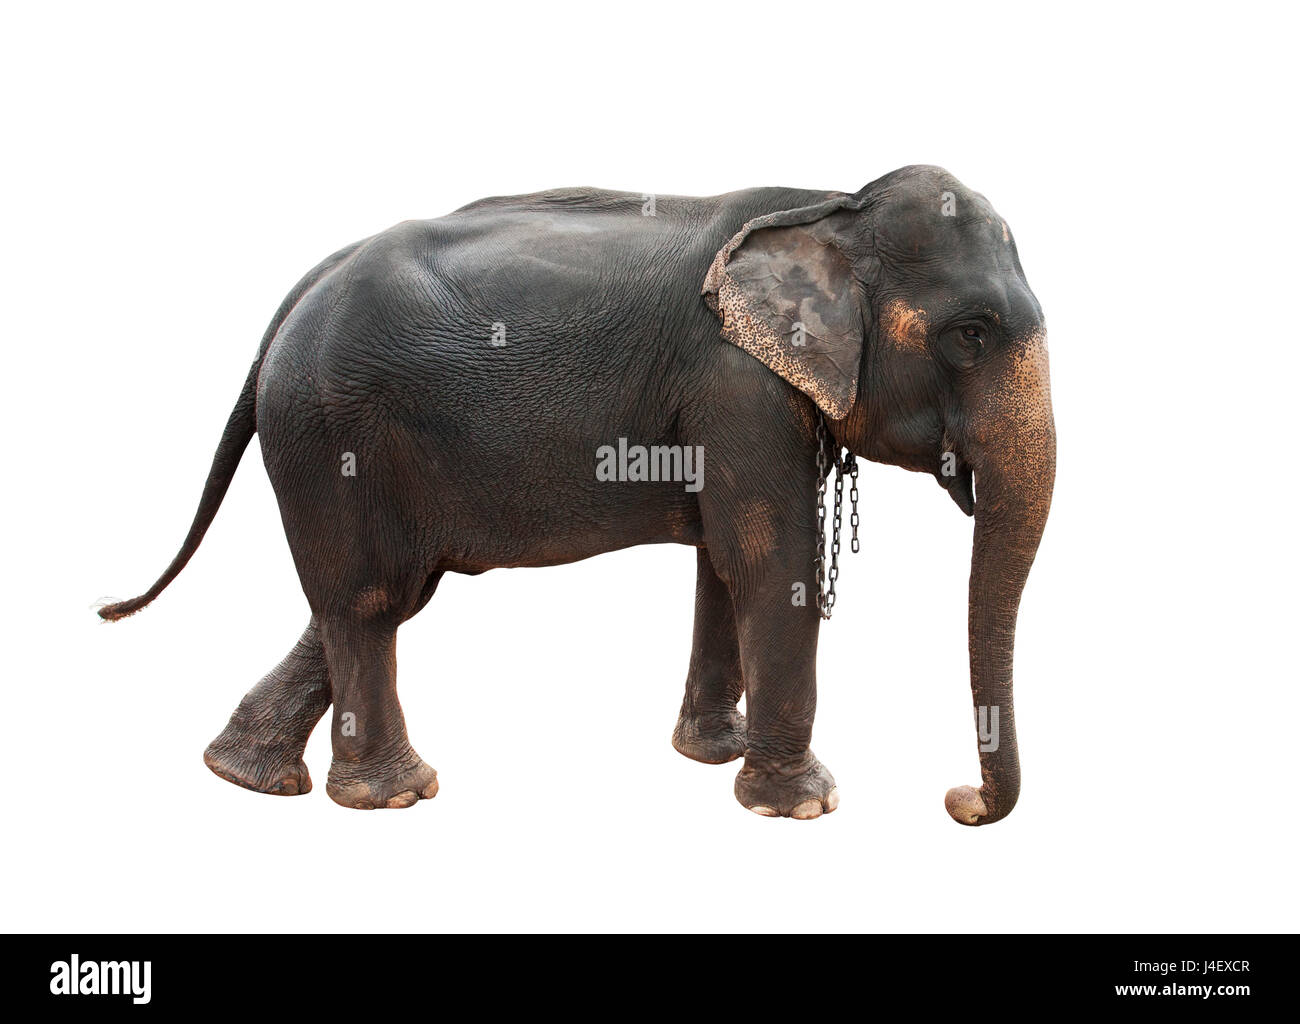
{"points": [[240, 429]]}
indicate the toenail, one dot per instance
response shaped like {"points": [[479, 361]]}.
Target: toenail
{"points": [[403, 799], [765, 811], [807, 809], [832, 799]]}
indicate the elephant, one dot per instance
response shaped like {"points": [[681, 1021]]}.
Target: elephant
{"points": [[536, 379]]}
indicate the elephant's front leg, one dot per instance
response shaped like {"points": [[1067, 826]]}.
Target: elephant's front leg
{"points": [[772, 592], [710, 728]]}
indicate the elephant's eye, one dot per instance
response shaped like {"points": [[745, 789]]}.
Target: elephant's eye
{"points": [[964, 345]]}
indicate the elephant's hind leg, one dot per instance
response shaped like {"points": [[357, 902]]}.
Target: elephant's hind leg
{"points": [[261, 747], [374, 764], [710, 728]]}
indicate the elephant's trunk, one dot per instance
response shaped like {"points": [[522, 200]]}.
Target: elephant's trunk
{"points": [[1012, 449]]}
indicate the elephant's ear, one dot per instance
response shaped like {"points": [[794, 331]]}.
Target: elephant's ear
{"points": [[785, 291]]}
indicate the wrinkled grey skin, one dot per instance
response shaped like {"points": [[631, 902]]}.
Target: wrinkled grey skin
{"points": [[727, 324]]}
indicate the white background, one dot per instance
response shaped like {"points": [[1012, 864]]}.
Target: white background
{"points": [[169, 175]]}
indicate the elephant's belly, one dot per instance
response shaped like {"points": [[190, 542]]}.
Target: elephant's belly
{"points": [[532, 534]]}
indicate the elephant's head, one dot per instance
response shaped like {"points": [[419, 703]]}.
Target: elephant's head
{"points": [[903, 313]]}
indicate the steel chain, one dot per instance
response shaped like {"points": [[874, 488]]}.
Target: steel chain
{"points": [[826, 580]]}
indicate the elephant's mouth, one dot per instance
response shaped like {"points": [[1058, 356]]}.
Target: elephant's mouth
{"points": [[961, 487], [955, 474]]}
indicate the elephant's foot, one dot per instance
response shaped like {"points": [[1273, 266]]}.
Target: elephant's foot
{"points": [[264, 766], [387, 782], [712, 737], [795, 788]]}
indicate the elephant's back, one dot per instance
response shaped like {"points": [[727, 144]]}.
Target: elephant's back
{"points": [[575, 264], [555, 257], [511, 299]]}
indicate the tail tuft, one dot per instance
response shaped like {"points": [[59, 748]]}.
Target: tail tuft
{"points": [[121, 609]]}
